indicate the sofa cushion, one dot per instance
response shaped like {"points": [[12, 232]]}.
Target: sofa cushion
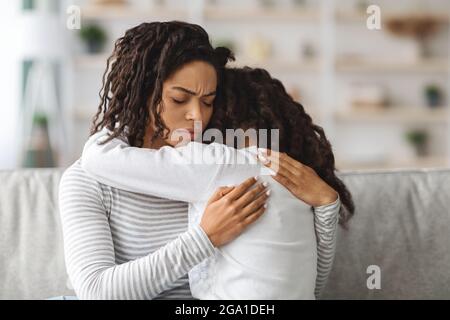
{"points": [[31, 245], [401, 225]]}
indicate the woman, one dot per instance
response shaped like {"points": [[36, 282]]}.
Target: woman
{"points": [[104, 279], [252, 100], [122, 245]]}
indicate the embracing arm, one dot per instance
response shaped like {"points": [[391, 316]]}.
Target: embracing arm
{"points": [[188, 173], [89, 250], [325, 224]]}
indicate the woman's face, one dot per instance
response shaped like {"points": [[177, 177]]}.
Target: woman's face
{"points": [[188, 96]]}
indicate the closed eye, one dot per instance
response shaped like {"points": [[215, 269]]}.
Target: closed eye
{"points": [[177, 101]]}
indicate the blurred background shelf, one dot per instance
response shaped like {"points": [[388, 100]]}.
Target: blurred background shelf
{"points": [[227, 14], [95, 61], [411, 163], [120, 12], [277, 65], [397, 114], [359, 16], [323, 53], [436, 65], [375, 58]]}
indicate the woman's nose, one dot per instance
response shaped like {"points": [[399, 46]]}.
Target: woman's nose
{"points": [[194, 112]]}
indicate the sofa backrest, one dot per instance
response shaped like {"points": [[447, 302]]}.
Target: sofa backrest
{"points": [[31, 244], [401, 226]]}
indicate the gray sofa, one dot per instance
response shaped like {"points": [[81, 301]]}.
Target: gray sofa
{"points": [[401, 225]]}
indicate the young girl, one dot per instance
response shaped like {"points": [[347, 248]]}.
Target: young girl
{"points": [[277, 257]]}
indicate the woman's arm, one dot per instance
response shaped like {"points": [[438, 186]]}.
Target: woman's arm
{"points": [[89, 249], [189, 173], [325, 223]]}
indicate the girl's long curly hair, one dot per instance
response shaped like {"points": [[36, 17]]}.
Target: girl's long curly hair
{"points": [[142, 60], [251, 98]]}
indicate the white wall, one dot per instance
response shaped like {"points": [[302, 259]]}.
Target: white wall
{"points": [[9, 84]]}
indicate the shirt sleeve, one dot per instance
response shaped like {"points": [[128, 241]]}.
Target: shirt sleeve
{"points": [[89, 250], [189, 173], [326, 219]]}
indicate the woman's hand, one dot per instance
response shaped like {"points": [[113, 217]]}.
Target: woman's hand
{"points": [[302, 181], [231, 209]]}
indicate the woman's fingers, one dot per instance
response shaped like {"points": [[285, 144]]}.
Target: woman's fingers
{"points": [[220, 193], [280, 161], [285, 181], [224, 219], [225, 190], [254, 206], [253, 216], [250, 195], [286, 174], [241, 189], [279, 166], [290, 176], [283, 157]]}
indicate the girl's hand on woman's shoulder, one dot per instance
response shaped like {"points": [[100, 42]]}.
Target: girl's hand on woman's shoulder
{"points": [[301, 180]]}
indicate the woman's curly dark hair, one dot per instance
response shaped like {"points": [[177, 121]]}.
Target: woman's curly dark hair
{"points": [[142, 60], [251, 98]]}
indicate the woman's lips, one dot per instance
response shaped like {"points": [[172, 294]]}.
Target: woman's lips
{"points": [[192, 133]]}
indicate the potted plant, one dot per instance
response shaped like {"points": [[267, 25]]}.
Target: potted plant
{"points": [[299, 3], [267, 3], [362, 5], [94, 36], [39, 152], [419, 26], [418, 139], [433, 95]]}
